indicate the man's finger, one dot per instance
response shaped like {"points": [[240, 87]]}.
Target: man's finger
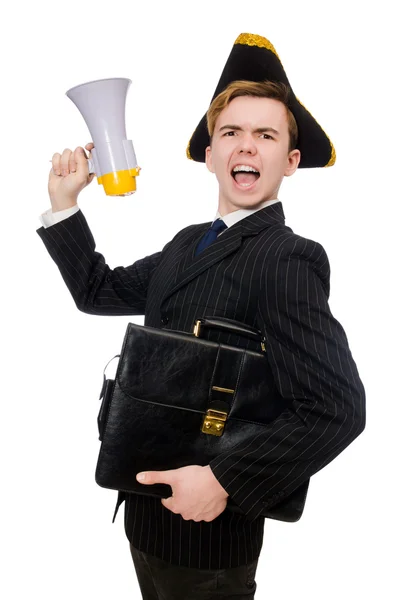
{"points": [[80, 158], [169, 504], [149, 477]]}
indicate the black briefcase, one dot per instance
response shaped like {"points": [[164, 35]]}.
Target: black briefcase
{"points": [[179, 399]]}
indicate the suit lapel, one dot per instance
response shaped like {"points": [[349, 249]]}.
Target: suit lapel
{"points": [[191, 266]]}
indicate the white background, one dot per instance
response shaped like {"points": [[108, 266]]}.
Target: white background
{"points": [[57, 538]]}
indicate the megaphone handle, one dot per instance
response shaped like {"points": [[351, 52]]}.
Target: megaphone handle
{"points": [[91, 168]]}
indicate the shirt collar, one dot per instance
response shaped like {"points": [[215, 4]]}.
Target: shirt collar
{"points": [[235, 216]]}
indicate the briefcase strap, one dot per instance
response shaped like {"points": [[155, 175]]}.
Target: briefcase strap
{"points": [[104, 377], [223, 388], [109, 363]]}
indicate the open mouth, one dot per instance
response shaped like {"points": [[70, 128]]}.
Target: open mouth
{"points": [[245, 177]]}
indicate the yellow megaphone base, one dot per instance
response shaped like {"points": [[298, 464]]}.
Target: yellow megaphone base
{"points": [[119, 183]]}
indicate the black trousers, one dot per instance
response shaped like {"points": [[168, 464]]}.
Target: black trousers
{"points": [[160, 580]]}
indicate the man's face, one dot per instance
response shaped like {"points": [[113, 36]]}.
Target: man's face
{"points": [[250, 132]]}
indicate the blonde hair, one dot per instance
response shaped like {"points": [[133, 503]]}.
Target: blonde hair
{"points": [[261, 89]]}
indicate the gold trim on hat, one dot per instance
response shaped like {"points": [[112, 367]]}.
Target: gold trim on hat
{"points": [[251, 39], [333, 155], [188, 146]]}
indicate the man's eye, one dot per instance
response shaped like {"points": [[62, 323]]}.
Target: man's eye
{"points": [[229, 132], [267, 136]]}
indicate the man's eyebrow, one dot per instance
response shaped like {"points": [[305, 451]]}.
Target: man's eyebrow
{"points": [[257, 130]]}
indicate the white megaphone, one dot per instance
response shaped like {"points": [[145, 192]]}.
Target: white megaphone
{"points": [[102, 104]]}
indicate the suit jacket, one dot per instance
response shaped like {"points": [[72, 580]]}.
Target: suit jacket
{"points": [[262, 273]]}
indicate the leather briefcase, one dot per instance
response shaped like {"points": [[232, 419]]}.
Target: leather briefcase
{"points": [[178, 399]]}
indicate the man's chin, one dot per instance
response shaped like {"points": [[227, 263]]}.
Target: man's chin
{"points": [[234, 203], [250, 201]]}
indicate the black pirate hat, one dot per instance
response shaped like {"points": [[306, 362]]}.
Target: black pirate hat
{"points": [[254, 58]]}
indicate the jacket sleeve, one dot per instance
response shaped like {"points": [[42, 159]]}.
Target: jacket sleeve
{"points": [[313, 368], [95, 288]]}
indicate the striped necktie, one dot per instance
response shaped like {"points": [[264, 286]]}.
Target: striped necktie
{"points": [[211, 235]]}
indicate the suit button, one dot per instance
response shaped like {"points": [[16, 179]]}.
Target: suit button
{"points": [[164, 319]]}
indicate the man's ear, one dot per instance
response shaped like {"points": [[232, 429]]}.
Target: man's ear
{"points": [[294, 158], [208, 159]]}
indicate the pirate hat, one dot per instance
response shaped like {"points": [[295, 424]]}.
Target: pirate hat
{"points": [[254, 58]]}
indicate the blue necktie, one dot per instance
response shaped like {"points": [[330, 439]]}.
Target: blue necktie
{"points": [[211, 235]]}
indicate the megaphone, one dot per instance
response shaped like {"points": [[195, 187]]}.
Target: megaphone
{"points": [[102, 105]]}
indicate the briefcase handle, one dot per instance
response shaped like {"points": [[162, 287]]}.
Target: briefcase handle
{"points": [[229, 326]]}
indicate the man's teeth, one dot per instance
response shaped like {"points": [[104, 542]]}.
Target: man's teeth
{"points": [[245, 168]]}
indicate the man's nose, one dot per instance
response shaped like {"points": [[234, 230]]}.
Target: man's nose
{"points": [[247, 144]]}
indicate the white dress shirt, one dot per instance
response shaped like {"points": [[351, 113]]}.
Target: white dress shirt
{"points": [[235, 216], [49, 218]]}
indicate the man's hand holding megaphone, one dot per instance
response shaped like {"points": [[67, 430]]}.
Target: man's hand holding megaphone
{"points": [[68, 176]]}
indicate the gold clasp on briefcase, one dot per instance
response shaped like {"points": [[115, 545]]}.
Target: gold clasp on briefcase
{"points": [[214, 422], [196, 328]]}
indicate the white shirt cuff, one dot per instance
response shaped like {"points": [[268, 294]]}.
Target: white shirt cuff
{"points": [[49, 218]]}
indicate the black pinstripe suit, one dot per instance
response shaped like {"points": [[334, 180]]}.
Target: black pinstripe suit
{"points": [[259, 272]]}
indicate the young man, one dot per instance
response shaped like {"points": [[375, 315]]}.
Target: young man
{"points": [[248, 266]]}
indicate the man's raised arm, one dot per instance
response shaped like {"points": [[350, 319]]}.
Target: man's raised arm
{"points": [[96, 289]]}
